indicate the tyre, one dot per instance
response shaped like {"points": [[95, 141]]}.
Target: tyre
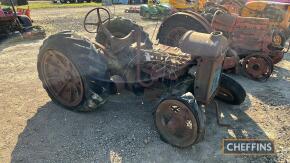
{"points": [[230, 91], [73, 72], [179, 121], [173, 28], [278, 39], [121, 27], [25, 21]]}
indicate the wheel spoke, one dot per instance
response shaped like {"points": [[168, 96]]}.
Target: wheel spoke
{"points": [[62, 88]]}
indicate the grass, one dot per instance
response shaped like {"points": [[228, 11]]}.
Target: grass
{"points": [[41, 5]]}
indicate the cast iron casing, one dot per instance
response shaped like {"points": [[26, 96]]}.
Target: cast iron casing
{"points": [[209, 49]]}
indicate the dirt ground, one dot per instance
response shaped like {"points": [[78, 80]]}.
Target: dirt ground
{"points": [[34, 129]]}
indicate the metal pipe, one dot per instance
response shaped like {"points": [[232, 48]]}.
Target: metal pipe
{"points": [[138, 69]]}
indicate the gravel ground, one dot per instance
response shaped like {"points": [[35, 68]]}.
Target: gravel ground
{"points": [[34, 129]]}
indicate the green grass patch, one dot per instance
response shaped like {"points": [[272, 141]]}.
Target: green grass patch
{"points": [[42, 5]]}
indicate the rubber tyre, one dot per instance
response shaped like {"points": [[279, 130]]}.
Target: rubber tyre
{"points": [[89, 62], [230, 91], [188, 100], [123, 27], [176, 22], [25, 21]]}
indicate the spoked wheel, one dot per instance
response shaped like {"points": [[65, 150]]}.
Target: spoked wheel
{"points": [[62, 78], [179, 121], [73, 72], [258, 67]]}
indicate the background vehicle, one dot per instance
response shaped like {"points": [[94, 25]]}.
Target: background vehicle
{"points": [[155, 11], [14, 25], [248, 35]]}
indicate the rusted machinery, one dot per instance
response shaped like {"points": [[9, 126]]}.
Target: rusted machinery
{"points": [[18, 26], [80, 75], [278, 14], [255, 44]]}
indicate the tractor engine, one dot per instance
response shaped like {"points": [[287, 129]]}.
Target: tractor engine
{"points": [[200, 55]]}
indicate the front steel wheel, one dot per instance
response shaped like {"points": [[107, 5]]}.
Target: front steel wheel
{"points": [[179, 121]]}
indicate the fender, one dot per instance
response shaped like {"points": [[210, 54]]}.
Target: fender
{"points": [[186, 16]]}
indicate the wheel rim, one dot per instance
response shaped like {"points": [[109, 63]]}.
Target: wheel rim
{"points": [[174, 36], [277, 40], [62, 78], [176, 123], [225, 94], [258, 67]]}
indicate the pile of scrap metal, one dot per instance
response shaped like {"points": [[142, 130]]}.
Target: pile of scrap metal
{"points": [[16, 26], [257, 40]]}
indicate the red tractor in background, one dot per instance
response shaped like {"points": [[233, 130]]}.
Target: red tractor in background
{"points": [[16, 23], [256, 44]]}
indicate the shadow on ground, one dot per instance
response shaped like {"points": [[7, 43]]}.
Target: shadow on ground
{"points": [[125, 131]]}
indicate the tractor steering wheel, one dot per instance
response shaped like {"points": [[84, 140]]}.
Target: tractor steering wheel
{"points": [[99, 11]]}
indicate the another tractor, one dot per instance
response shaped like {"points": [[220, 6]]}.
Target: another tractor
{"points": [[18, 26], [155, 10], [80, 74], [257, 43], [278, 14]]}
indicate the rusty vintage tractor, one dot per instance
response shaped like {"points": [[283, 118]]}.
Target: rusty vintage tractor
{"points": [[255, 44], [278, 14], [80, 74]]}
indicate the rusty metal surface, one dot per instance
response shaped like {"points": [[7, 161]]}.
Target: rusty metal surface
{"points": [[176, 122], [258, 67], [165, 62], [248, 33], [276, 56], [201, 44], [210, 50]]}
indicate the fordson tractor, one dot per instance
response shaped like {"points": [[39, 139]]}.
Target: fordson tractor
{"points": [[81, 75]]}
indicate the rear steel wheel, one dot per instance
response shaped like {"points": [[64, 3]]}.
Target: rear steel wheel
{"points": [[62, 78], [179, 121], [73, 72], [175, 26]]}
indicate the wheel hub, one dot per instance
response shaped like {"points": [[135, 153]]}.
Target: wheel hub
{"points": [[258, 67], [176, 122]]}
